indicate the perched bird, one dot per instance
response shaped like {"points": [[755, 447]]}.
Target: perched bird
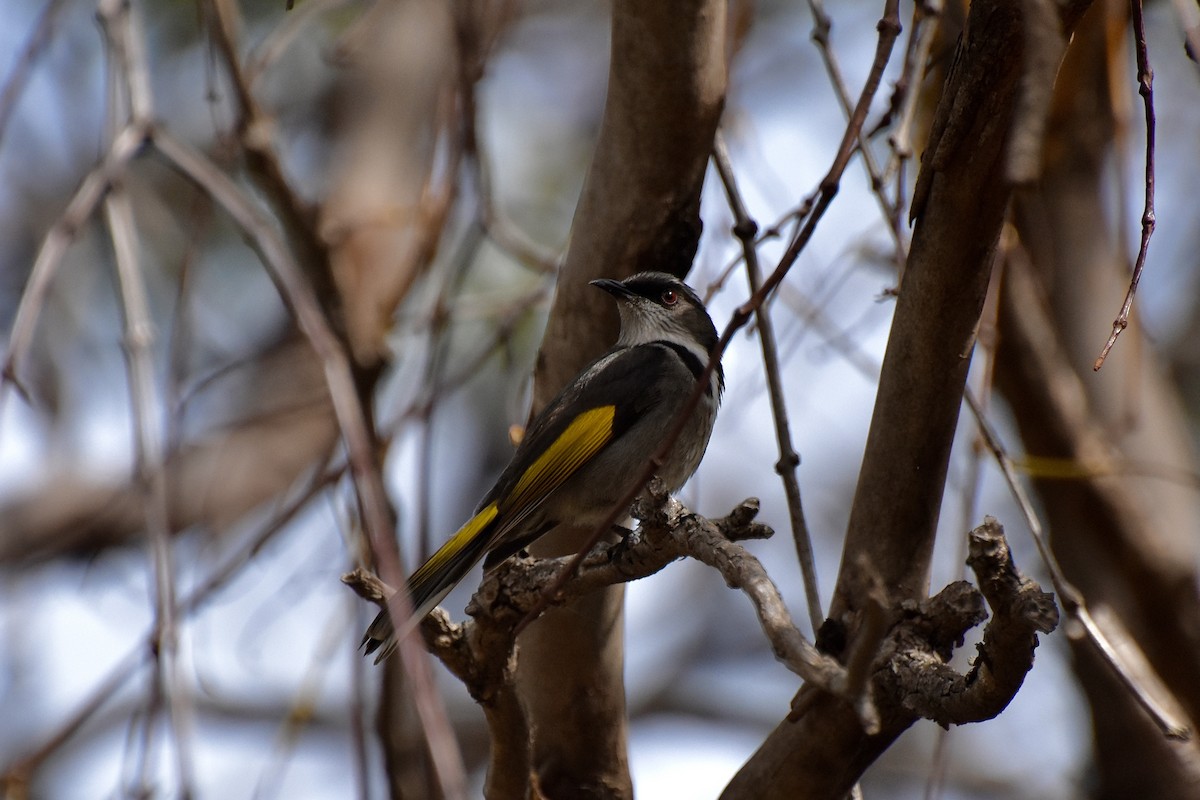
{"points": [[581, 454]]}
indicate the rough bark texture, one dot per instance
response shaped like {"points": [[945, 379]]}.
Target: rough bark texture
{"points": [[639, 210], [958, 208]]}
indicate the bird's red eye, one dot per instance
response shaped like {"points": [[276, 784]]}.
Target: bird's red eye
{"points": [[670, 297]]}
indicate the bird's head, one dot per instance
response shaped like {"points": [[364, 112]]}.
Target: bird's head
{"points": [[655, 306]]}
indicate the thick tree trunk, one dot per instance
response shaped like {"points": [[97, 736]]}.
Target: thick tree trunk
{"points": [[959, 206], [639, 210], [1127, 539]]}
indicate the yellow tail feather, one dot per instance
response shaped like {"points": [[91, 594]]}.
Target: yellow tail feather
{"points": [[447, 554]]}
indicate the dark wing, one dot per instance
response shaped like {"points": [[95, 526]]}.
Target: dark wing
{"points": [[583, 419]]}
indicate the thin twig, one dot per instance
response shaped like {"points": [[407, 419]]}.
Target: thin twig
{"points": [[1146, 90], [281, 37], [256, 134], [468, 368], [300, 712], [1168, 720], [473, 45], [14, 781], [182, 332], [745, 228], [822, 26], [889, 29], [22, 68], [21, 770], [991, 438], [793, 217], [130, 72], [357, 710], [438, 345], [149, 446], [839, 340], [298, 294], [926, 17], [125, 146]]}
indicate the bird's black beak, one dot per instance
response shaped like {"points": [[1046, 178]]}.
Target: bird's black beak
{"points": [[615, 288]]}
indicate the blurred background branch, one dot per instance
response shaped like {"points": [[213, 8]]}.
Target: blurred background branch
{"points": [[193, 447]]}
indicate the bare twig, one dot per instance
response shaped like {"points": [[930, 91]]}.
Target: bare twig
{"points": [[125, 146], [889, 29], [281, 37], [299, 296], [19, 772], [300, 711], [256, 134], [139, 339], [745, 229], [440, 319], [1113, 644], [468, 368], [906, 94], [130, 72], [667, 524], [359, 746], [1146, 90], [22, 68], [926, 17], [822, 26], [474, 43], [837, 339], [792, 217], [15, 780]]}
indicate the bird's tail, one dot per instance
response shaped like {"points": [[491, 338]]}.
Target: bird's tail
{"points": [[430, 584]]}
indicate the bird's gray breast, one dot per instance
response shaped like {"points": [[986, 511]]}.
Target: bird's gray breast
{"points": [[680, 369]]}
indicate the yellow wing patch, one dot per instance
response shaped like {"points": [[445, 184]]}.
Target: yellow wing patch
{"points": [[451, 549], [582, 439]]}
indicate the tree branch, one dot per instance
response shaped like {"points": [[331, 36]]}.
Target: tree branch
{"points": [[746, 229], [959, 204], [481, 652], [639, 209], [1021, 610]]}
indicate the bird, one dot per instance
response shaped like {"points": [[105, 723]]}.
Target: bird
{"points": [[581, 454]]}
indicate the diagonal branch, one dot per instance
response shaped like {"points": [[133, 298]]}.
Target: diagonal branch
{"points": [[311, 320], [959, 204], [126, 145]]}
